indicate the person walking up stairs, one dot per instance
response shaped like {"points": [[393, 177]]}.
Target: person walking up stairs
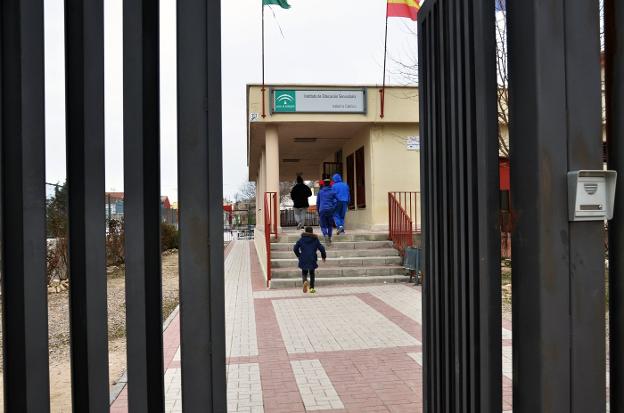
{"points": [[299, 195], [306, 251], [343, 197], [326, 203]]}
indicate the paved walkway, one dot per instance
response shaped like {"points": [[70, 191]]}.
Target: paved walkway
{"points": [[355, 349]]}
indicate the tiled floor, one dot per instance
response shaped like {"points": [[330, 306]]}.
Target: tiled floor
{"points": [[355, 349]]}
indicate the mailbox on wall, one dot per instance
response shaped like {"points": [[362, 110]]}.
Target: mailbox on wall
{"points": [[591, 195]]}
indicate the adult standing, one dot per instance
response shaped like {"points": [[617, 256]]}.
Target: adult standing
{"points": [[342, 197], [299, 195]]}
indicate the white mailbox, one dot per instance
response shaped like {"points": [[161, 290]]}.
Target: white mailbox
{"points": [[591, 195]]}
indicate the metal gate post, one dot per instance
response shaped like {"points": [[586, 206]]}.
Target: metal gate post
{"points": [[142, 205], [614, 79], [84, 53], [200, 177], [461, 295], [24, 290], [558, 266]]}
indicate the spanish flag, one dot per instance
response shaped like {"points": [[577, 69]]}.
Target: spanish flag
{"points": [[403, 8]]}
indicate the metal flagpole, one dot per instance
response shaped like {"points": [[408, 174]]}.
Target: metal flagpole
{"points": [[263, 88], [382, 92]]}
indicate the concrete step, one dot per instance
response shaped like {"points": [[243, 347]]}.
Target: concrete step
{"points": [[378, 236], [342, 262], [324, 282], [337, 272], [332, 253], [338, 244]]}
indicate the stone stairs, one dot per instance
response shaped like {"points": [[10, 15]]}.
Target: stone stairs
{"points": [[360, 258]]}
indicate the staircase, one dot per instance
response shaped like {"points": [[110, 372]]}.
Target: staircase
{"points": [[361, 258]]}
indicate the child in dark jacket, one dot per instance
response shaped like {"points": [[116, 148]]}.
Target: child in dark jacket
{"points": [[326, 204], [305, 249]]}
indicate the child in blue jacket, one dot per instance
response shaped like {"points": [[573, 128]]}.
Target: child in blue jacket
{"points": [[326, 202], [305, 249], [343, 196]]}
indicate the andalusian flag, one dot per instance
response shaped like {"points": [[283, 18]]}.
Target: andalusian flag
{"points": [[403, 8], [282, 3]]}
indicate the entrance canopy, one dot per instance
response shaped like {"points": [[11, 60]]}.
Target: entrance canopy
{"points": [[317, 126], [303, 146]]}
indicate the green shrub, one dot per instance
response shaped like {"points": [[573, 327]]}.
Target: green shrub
{"points": [[169, 237]]}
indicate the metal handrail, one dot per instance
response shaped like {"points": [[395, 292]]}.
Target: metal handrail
{"points": [[270, 227], [402, 213]]}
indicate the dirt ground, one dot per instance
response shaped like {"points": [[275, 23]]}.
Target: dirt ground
{"points": [[58, 330]]}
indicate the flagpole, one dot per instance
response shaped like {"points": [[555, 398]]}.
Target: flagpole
{"points": [[263, 88], [382, 92]]}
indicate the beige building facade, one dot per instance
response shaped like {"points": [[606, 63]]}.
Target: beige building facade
{"points": [[310, 130]]}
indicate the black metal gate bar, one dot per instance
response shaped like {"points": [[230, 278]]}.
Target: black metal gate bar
{"points": [[84, 53], [486, 155], [614, 79], [585, 151], [142, 205], [24, 291], [200, 194], [558, 281], [461, 298]]}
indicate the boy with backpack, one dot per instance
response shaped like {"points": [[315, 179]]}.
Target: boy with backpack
{"points": [[305, 249], [326, 202]]}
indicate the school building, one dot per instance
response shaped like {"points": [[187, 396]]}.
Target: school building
{"points": [[312, 130]]}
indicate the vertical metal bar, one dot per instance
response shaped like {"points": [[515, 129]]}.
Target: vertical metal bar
{"points": [[462, 309], [444, 274], [142, 206], [471, 271], [84, 54], [561, 362], [456, 276], [585, 151], [486, 148], [423, 54], [541, 301], [390, 215], [614, 74], [463, 189], [24, 291], [275, 212], [201, 220]]}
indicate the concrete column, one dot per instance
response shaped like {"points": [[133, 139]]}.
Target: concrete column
{"points": [[272, 162], [260, 189], [272, 159]]}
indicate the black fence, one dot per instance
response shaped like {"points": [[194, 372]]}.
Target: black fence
{"points": [[23, 206], [558, 277], [558, 264], [459, 168]]}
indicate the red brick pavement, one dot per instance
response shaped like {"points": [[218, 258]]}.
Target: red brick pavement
{"points": [[375, 380]]}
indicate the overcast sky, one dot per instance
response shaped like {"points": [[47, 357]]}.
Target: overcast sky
{"points": [[324, 42]]}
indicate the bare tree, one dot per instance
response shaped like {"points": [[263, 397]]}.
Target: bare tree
{"points": [[247, 192], [285, 188], [502, 72], [406, 72]]}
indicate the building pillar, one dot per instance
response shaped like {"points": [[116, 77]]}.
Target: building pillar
{"points": [[271, 162], [260, 189]]}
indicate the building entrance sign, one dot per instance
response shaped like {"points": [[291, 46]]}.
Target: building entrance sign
{"points": [[318, 101]]}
